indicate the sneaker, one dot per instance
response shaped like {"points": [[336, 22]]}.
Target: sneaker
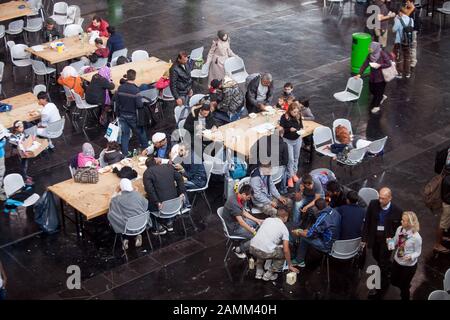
{"points": [[138, 241], [259, 274], [237, 251], [302, 264], [295, 262], [125, 244], [408, 76], [384, 99], [399, 76], [295, 178], [375, 110], [270, 276], [159, 232], [290, 183]]}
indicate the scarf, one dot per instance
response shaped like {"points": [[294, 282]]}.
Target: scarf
{"points": [[126, 185], [69, 71], [88, 150], [105, 72], [375, 51]]}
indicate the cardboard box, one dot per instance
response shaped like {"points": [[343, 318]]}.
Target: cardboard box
{"points": [[31, 147]]}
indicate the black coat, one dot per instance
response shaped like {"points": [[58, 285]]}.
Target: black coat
{"points": [[95, 91], [163, 182], [391, 223], [189, 124], [252, 94], [128, 100], [180, 80]]}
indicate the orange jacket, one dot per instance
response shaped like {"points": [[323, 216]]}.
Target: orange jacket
{"points": [[72, 83]]}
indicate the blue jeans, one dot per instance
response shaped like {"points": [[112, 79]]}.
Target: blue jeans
{"points": [[126, 125], [283, 183], [294, 147], [2, 294], [298, 206], [241, 232], [316, 243]]}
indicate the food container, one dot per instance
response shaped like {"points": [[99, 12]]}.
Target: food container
{"points": [[291, 278]]}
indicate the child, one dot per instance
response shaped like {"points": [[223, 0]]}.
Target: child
{"points": [[112, 153], [287, 97], [15, 139]]}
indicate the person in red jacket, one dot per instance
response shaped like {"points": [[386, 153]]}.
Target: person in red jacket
{"points": [[99, 24]]}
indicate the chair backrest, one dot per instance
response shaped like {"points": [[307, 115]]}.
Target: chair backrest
{"points": [[34, 23], [197, 54], [71, 170], [224, 225], [277, 174], [136, 225], [72, 30], [39, 88], [195, 99], [2, 68], [80, 22], [73, 13], [139, 55], [205, 69], [101, 62], [446, 6], [377, 146], [181, 124], [55, 129], [354, 86], [439, 295], [150, 95], [12, 183], [81, 103], [69, 95], [18, 52], [345, 249], [233, 65], [322, 135], [167, 94], [447, 280], [357, 155], [101, 159], [16, 25], [60, 8], [208, 168], [77, 65], [171, 208], [341, 122], [119, 53], [368, 194], [177, 112], [244, 181], [38, 67]]}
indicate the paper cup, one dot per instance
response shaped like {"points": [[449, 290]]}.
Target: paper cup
{"points": [[60, 47]]}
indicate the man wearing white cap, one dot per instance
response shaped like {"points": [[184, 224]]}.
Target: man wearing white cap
{"points": [[3, 134], [126, 203], [160, 148]]}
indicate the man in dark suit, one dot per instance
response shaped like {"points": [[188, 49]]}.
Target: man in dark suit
{"points": [[352, 217], [382, 220]]}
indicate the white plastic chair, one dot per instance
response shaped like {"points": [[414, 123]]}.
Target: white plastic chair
{"points": [[101, 62], [197, 54], [36, 7], [72, 30], [342, 122], [439, 295], [133, 227], [139, 55], [84, 107], [60, 13], [355, 156], [195, 99], [73, 14], [235, 68], [202, 191], [15, 27], [39, 88], [201, 73], [19, 57], [447, 280], [444, 10], [352, 91], [2, 68], [119, 53], [181, 112], [80, 22], [2, 35], [77, 65], [150, 95], [219, 165], [14, 182], [56, 129], [323, 139], [166, 94], [40, 69], [368, 194], [33, 25], [230, 238], [277, 174], [377, 146]]}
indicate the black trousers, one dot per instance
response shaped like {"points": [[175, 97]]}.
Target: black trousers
{"points": [[401, 277], [382, 256], [377, 90]]}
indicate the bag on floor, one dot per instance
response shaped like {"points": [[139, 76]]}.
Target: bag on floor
{"points": [[432, 193], [46, 213], [238, 168], [389, 73], [113, 131], [86, 175]]}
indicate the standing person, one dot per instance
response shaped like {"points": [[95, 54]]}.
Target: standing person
{"points": [[291, 122], [408, 247], [49, 114], [3, 134], [50, 31], [115, 41], [100, 25], [3, 282], [381, 34], [180, 79], [413, 11], [444, 223], [403, 26], [128, 102], [219, 52], [378, 60], [382, 219], [259, 93]]}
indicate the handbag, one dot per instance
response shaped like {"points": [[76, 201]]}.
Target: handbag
{"points": [[113, 131], [389, 73], [86, 175], [432, 193]]}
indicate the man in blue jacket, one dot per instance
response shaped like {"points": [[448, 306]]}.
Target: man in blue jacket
{"points": [[115, 41], [352, 217]]}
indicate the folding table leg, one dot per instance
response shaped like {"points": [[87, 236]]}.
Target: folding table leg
{"points": [[63, 216]]}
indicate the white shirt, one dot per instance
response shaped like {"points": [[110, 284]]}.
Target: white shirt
{"points": [[270, 234], [412, 247], [262, 92], [49, 114]]}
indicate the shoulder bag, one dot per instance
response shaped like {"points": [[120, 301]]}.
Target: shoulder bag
{"points": [[86, 175]]}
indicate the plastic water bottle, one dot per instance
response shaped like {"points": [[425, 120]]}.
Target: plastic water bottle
{"points": [[251, 263], [134, 153], [50, 37]]}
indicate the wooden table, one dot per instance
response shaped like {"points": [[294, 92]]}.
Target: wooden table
{"points": [[147, 71], [22, 105], [241, 135], [10, 10], [92, 200], [73, 48]]}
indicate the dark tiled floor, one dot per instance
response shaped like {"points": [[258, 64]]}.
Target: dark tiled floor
{"points": [[296, 42]]}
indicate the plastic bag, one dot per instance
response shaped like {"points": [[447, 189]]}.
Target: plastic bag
{"points": [[46, 213]]}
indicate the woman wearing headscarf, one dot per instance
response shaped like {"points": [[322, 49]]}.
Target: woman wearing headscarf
{"points": [[98, 90], [219, 52], [126, 203], [86, 157], [377, 60], [71, 79]]}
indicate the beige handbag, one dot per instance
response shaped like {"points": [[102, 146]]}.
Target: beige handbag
{"points": [[390, 73]]}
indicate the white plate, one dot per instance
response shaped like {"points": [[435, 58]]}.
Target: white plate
{"points": [[300, 132]]}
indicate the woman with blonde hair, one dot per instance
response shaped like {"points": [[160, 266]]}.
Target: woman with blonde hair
{"points": [[407, 244]]}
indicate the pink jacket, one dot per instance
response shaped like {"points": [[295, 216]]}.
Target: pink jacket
{"points": [[82, 160]]}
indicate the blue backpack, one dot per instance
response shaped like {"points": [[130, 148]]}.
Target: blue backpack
{"points": [[239, 168]]}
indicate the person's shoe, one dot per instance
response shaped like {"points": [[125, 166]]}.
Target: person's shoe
{"points": [[159, 232], [384, 99], [375, 110], [168, 227], [290, 183], [399, 76], [270, 276], [408, 76], [138, 241], [237, 251], [259, 274], [125, 244], [295, 178], [295, 262]]}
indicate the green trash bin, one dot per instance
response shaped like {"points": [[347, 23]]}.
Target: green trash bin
{"points": [[360, 50]]}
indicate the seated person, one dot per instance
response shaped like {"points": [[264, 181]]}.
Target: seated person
{"points": [[71, 80], [199, 119], [287, 97], [86, 158], [259, 93], [160, 148], [335, 194], [271, 242], [238, 220], [50, 31], [190, 166], [346, 141], [322, 233], [126, 203], [230, 102], [100, 25], [122, 60], [308, 190], [112, 153], [265, 195], [17, 136], [352, 217], [305, 109], [97, 92], [161, 182], [49, 114], [215, 90], [101, 52], [115, 41]]}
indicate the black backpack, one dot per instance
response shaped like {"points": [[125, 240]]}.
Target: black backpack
{"points": [[407, 33]]}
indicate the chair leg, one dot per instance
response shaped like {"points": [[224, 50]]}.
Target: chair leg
{"points": [[184, 226], [148, 238], [124, 251], [228, 252], [207, 202], [192, 222], [193, 200]]}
